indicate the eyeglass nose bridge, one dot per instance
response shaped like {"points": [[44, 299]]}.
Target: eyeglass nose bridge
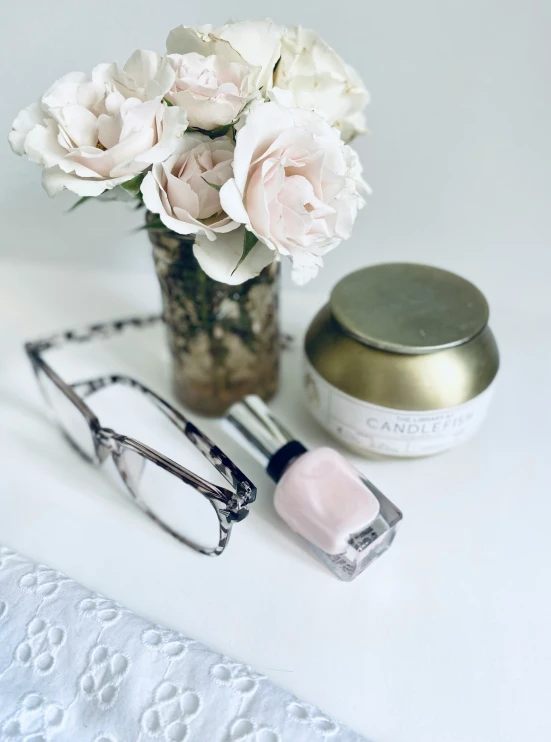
{"points": [[108, 443]]}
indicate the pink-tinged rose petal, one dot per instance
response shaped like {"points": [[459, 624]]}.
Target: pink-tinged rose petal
{"points": [[119, 159], [213, 90], [184, 189], [85, 129], [180, 195], [254, 43], [264, 124], [256, 202], [296, 185]]}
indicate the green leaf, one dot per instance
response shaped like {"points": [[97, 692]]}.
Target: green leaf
{"points": [[212, 185], [220, 131], [153, 223], [133, 186], [78, 203], [249, 241], [168, 102]]}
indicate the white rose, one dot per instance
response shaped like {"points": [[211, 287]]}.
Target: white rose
{"points": [[213, 90], [184, 189], [146, 75], [257, 43], [296, 185], [310, 74], [89, 138]]}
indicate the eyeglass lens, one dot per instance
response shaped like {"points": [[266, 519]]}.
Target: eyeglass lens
{"points": [[68, 416], [180, 506]]}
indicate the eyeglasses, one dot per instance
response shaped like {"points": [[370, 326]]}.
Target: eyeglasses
{"points": [[195, 511]]}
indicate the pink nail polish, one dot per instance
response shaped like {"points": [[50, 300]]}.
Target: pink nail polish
{"points": [[345, 520]]}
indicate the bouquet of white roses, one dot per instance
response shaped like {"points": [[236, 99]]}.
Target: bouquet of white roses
{"points": [[236, 137]]}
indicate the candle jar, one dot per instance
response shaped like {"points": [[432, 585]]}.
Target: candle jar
{"points": [[401, 361]]}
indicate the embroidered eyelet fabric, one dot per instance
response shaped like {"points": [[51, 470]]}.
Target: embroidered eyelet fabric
{"points": [[77, 667]]}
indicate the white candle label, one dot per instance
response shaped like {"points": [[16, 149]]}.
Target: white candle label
{"points": [[370, 428]]}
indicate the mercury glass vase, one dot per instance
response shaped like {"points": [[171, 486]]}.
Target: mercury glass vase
{"points": [[224, 340]]}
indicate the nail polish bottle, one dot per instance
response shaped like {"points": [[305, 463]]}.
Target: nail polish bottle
{"points": [[345, 520]]}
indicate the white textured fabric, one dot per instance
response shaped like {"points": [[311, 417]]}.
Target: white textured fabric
{"points": [[77, 667]]}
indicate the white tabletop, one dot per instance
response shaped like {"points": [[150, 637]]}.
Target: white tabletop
{"points": [[443, 639]]}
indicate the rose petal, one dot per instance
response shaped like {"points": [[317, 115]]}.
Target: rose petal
{"points": [[301, 185], [258, 42], [42, 146], [174, 124], [263, 125], [232, 202], [219, 258], [146, 75], [80, 124], [55, 180], [185, 40], [24, 122], [311, 75]]}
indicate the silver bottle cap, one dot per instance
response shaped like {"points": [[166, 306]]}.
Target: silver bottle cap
{"points": [[268, 438], [259, 426]]}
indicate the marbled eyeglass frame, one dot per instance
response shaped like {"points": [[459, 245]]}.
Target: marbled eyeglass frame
{"points": [[230, 504]]}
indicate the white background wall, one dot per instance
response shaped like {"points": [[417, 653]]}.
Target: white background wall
{"points": [[459, 152]]}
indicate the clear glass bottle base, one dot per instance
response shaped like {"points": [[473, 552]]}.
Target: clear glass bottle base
{"points": [[366, 545]]}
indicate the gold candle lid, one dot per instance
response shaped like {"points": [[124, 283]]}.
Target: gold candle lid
{"points": [[409, 308]]}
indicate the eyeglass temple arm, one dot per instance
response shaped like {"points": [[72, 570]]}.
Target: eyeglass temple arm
{"points": [[210, 451], [103, 330]]}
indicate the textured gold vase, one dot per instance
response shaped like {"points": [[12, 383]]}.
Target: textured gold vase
{"points": [[224, 339]]}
